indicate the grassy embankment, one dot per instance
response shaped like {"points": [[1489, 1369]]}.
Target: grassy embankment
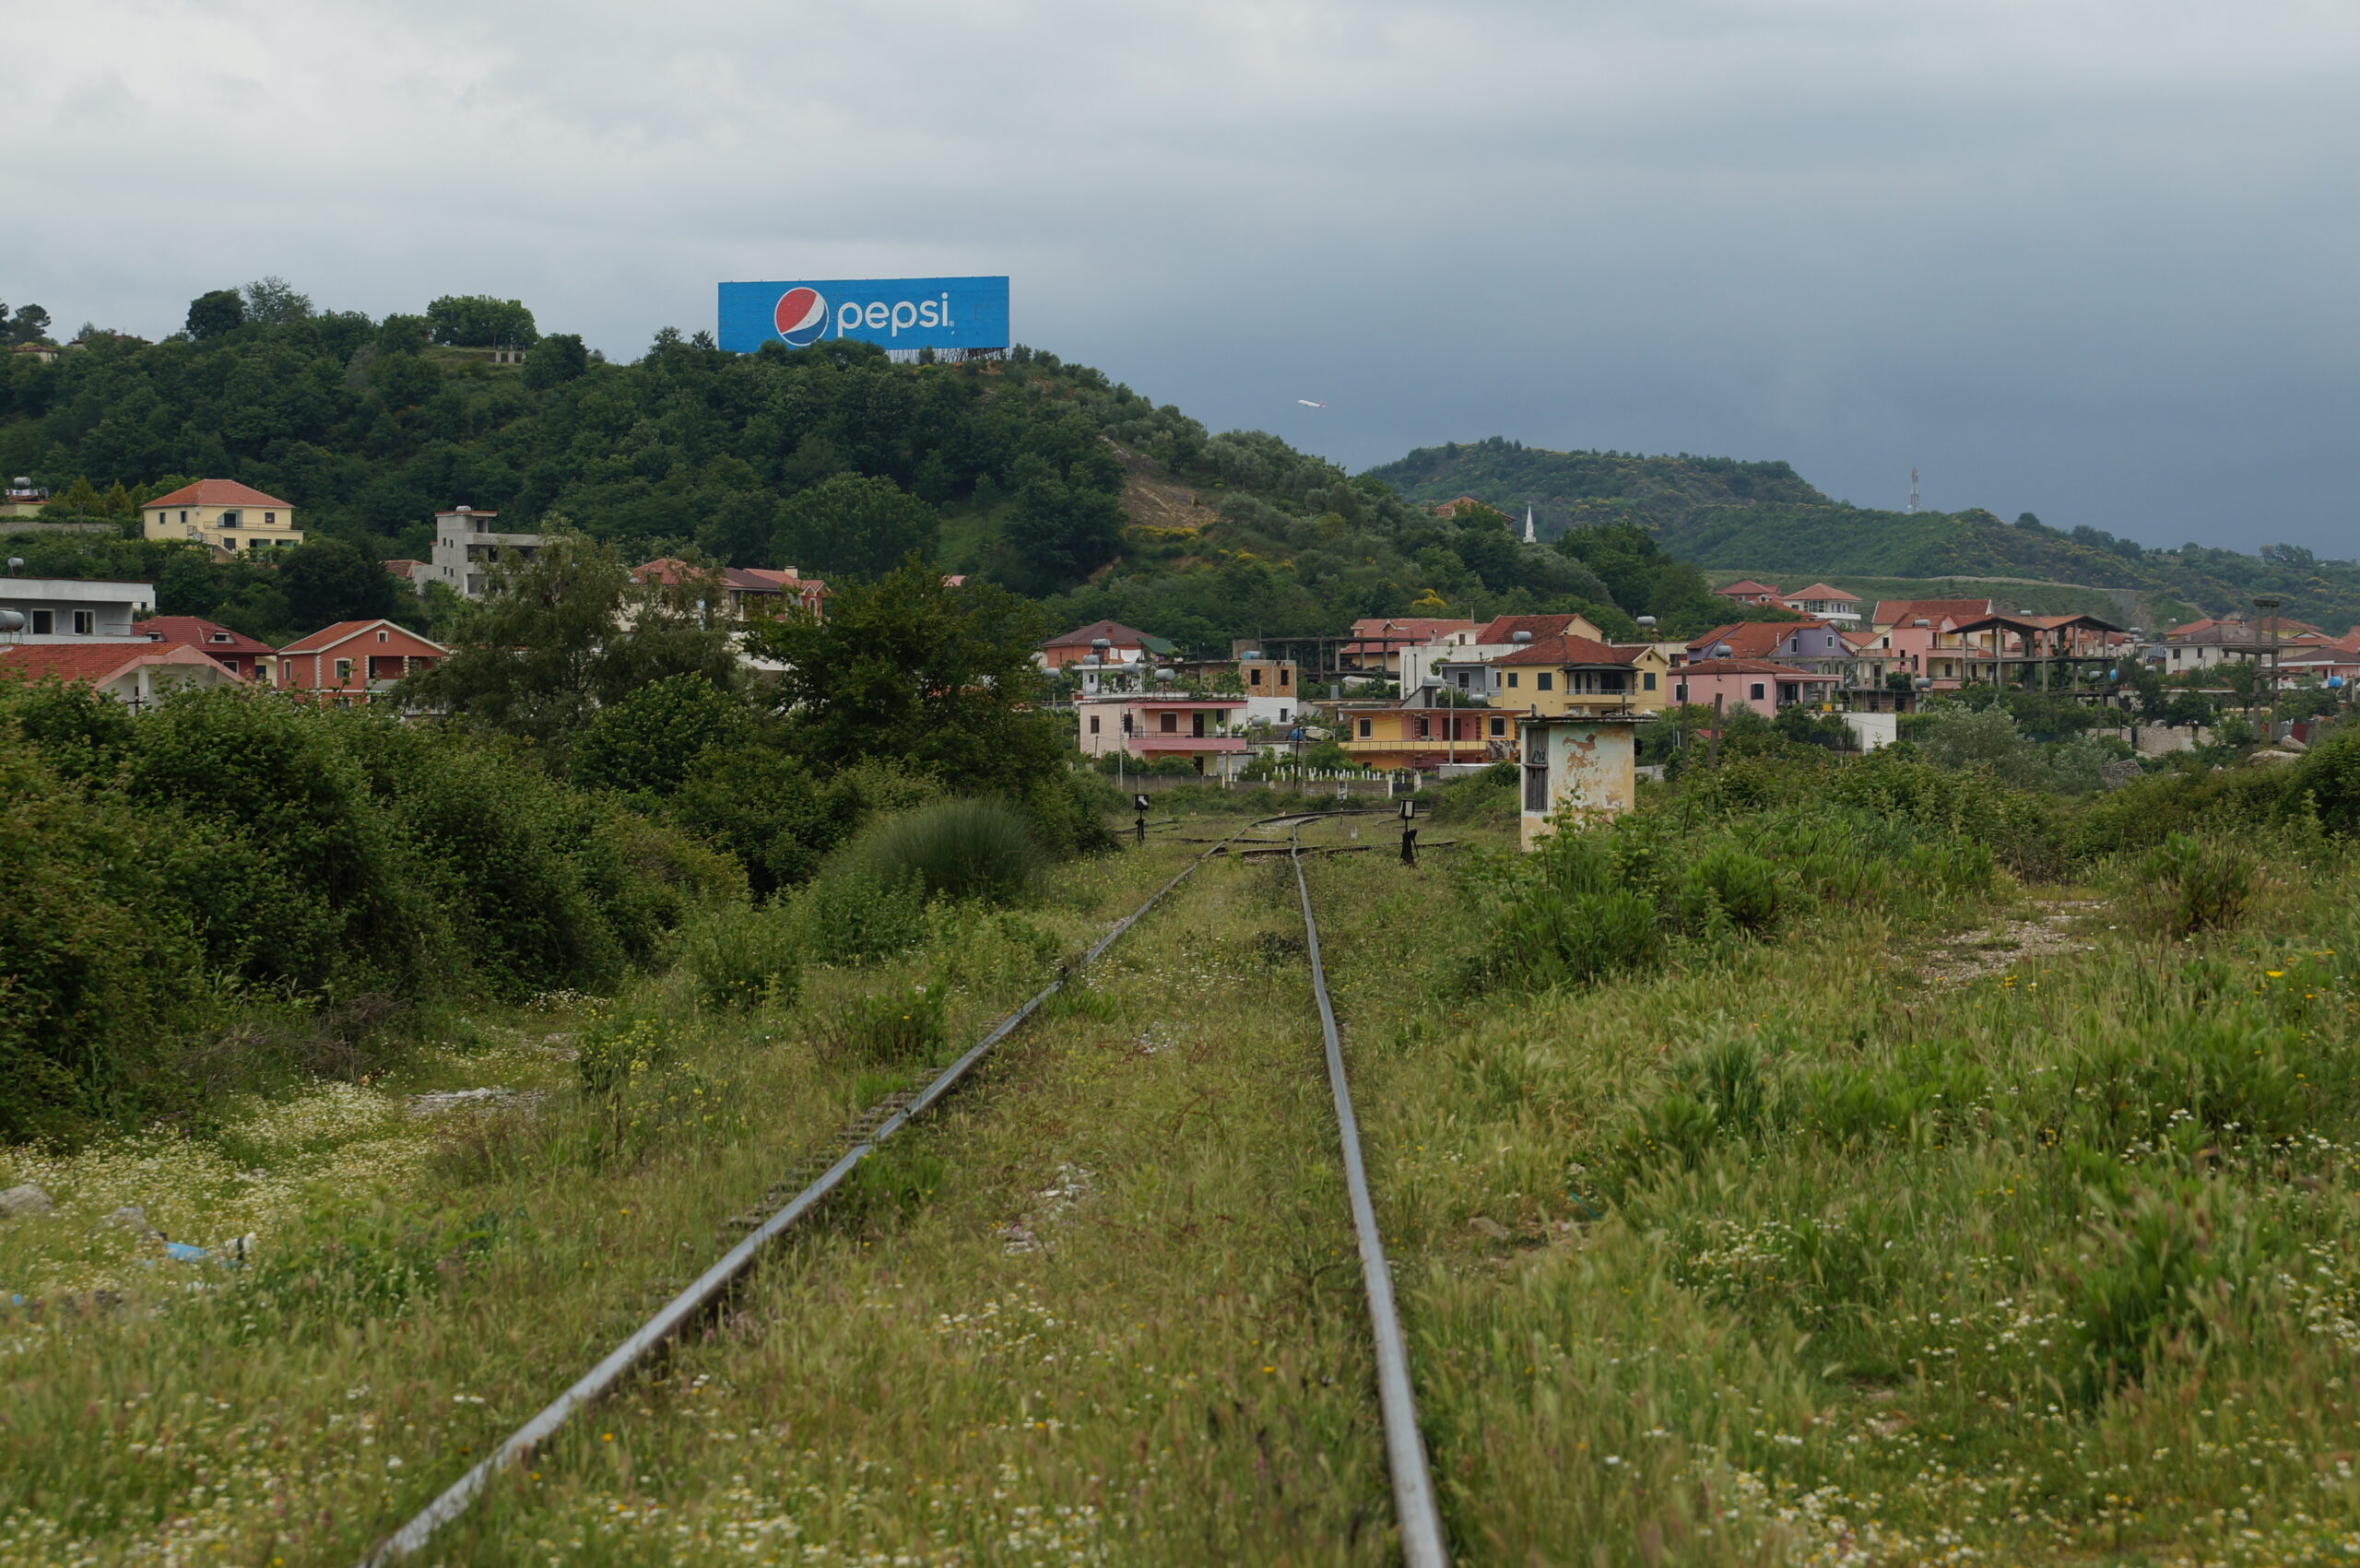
{"points": [[2012, 1226], [417, 1285]]}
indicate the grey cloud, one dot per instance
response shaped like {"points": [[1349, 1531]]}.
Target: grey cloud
{"points": [[2087, 259]]}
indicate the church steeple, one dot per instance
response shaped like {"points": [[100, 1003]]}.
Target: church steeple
{"points": [[1527, 526]]}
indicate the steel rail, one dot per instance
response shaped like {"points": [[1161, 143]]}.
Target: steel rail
{"points": [[714, 1281], [1414, 1506]]}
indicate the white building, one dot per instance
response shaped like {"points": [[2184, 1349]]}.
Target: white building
{"points": [[68, 610], [465, 548]]}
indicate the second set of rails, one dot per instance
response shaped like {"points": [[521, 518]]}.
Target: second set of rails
{"points": [[1416, 1509]]}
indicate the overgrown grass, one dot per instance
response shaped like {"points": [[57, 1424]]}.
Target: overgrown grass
{"points": [[1782, 1251]]}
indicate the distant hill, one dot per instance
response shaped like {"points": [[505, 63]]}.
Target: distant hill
{"points": [[1764, 518]]}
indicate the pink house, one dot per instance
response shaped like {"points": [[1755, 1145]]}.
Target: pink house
{"points": [[1759, 684], [1150, 728]]}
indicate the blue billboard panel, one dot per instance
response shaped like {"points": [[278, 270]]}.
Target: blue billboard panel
{"points": [[893, 312]]}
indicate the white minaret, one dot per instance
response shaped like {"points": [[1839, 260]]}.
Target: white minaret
{"points": [[1527, 526]]}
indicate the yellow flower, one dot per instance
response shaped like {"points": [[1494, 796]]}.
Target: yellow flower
{"points": [[2274, 973]]}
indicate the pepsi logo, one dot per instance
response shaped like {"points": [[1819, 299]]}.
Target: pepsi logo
{"points": [[801, 317]]}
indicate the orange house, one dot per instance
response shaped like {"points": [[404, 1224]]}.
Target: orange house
{"points": [[354, 660]]}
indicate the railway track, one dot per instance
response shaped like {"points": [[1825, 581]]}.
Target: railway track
{"points": [[804, 1188]]}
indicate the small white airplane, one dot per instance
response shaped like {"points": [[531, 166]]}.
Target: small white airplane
{"points": [[1309, 404]]}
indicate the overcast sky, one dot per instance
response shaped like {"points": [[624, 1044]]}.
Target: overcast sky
{"points": [[2089, 258]]}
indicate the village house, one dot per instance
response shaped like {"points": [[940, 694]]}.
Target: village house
{"points": [[1920, 637], [1824, 603], [1414, 736], [2200, 645], [1813, 646], [2001, 646], [1764, 685], [1749, 592], [135, 673], [466, 547], [354, 660], [746, 592], [1110, 641], [1459, 661], [1379, 642], [72, 609], [231, 518], [1580, 675], [245, 657], [1148, 728]]}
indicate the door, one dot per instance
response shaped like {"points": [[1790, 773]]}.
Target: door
{"points": [[1196, 725]]}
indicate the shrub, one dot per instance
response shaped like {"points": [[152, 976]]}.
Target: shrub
{"points": [[1729, 885], [958, 849], [742, 956], [1549, 938], [618, 1050], [847, 914], [2197, 884], [895, 1028]]}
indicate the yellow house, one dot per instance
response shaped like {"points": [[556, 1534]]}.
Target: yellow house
{"points": [[1384, 734], [234, 519], [1576, 676]]}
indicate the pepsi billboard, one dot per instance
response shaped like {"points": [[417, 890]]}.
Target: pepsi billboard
{"points": [[892, 312]]}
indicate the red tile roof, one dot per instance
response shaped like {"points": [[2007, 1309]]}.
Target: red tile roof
{"points": [[97, 663], [1822, 591], [1901, 612], [328, 637], [1401, 628], [1569, 651], [195, 631], [1741, 590], [217, 492], [1116, 634], [1502, 628], [1752, 639]]}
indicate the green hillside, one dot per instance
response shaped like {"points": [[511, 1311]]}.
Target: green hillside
{"points": [[1761, 518], [1049, 477]]}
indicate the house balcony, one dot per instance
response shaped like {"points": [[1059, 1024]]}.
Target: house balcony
{"points": [[1155, 741]]}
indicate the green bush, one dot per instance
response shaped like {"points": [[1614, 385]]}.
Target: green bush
{"points": [[897, 1028], [1729, 885], [2198, 884], [849, 914], [958, 849], [741, 956]]}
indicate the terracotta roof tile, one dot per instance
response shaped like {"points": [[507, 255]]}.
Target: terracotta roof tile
{"points": [[217, 492]]}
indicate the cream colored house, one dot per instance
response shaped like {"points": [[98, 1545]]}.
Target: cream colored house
{"points": [[234, 519]]}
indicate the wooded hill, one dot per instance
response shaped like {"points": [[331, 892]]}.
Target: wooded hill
{"points": [[1049, 477], [1763, 518]]}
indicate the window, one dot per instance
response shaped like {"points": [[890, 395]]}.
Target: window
{"points": [[343, 674], [1544, 680], [1424, 732], [1511, 677], [1536, 782], [218, 637], [1253, 677], [1649, 678], [228, 541], [86, 624], [270, 519], [1757, 691], [381, 637], [1093, 723], [44, 623], [1364, 729], [184, 513], [1286, 676], [1680, 693], [227, 520], [1171, 724], [1499, 726]]}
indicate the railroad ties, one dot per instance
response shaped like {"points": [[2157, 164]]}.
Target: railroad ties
{"points": [[803, 1186]]}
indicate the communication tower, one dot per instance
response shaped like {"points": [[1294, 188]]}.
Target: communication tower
{"points": [[1912, 491]]}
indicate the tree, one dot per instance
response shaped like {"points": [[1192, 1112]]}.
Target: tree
{"points": [[30, 324], [570, 633], [909, 672], [274, 302], [649, 742], [328, 579], [2185, 707], [848, 526], [480, 321], [557, 358], [1059, 533], [211, 315]]}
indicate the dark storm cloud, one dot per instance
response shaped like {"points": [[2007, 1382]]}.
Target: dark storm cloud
{"points": [[2089, 260]]}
